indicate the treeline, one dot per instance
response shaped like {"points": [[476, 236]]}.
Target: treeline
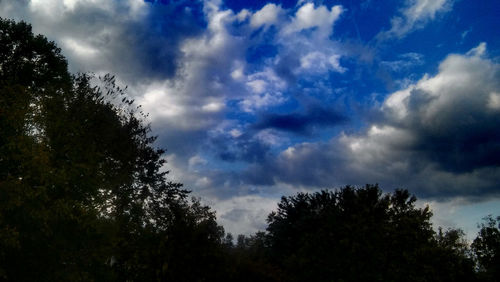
{"points": [[83, 197]]}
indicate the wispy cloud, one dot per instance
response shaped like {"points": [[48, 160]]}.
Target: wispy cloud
{"points": [[404, 62], [415, 15]]}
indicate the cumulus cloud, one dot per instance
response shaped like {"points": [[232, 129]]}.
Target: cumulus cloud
{"points": [[308, 16], [265, 89], [449, 113], [268, 15], [414, 16], [436, 137], [307, 48]]}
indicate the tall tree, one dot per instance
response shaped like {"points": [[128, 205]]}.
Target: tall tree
{"points": [[83, 194]]}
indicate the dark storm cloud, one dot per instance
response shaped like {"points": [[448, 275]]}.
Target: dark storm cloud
{"points": [[471, 142], [301, 123]]}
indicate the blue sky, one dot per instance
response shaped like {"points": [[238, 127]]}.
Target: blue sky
{"points": [[258, 99]]}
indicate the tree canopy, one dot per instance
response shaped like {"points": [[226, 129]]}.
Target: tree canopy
{"points": [[360, 234], [486, 248]]}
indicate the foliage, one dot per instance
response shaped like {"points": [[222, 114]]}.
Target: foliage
{"points": [[359, 235], [82, 192], [486, 248]]}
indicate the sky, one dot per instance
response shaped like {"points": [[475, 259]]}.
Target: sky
{"points": [[258, 99]]}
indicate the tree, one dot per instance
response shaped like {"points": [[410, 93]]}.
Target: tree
{"points": [[356, 234], [248, 260], [30, 68], [30, 60], [486, 248], [83, 194], [451, 256]]}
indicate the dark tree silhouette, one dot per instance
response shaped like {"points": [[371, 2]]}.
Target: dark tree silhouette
{"points": [[82, 193], [486, 248], [359, 235]]}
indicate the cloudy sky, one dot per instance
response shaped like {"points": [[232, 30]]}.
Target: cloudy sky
{"points": [[258, 99]]}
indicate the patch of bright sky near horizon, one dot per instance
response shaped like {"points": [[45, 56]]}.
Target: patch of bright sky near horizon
{"points": [[258, 99]]}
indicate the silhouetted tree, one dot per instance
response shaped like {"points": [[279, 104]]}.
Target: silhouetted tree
{"points": [[249, 260], [486, 248], [356, 235], [451, 256], [82, 192]]}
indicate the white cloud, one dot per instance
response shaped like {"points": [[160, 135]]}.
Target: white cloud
{"points": [[478, 51], [307, 49], [213, 107], [196, 161], [203, 182], [244, 214], [414, 16], [160, 101], [55, 10], [422, 9], [319, 62], [494, 101], [51, 9], [243, 15], [270, 137], [237, 73], [138, 8], [265, 90], [257, 86], [405, 62], [258, 101], [308, 16], [235, 133], [268, 15], [80, 49], [378, 144]]}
